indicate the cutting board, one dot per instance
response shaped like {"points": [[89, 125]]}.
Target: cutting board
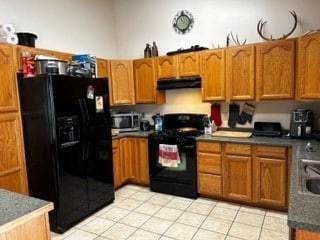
{"points": [[231, 134]]}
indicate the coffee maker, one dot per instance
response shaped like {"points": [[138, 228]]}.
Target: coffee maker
{"points": [[301, 123]]}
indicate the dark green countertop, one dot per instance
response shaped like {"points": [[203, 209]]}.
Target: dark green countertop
{"points": [[304, 209]]}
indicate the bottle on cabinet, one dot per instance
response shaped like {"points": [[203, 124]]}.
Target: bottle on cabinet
{"points": [[147, 51], [154, 50]]}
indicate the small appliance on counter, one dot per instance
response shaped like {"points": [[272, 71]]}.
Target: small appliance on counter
{"points": [[144, 123], [158, 122], [267, 129], [125, 121], [301, 123]]}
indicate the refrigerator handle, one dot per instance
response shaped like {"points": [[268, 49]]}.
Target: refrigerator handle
{"points": [[84, 128], [86, 115]]}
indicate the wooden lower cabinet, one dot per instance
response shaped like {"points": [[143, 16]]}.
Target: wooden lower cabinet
{"points": [[130, 160], [209, 168], [270, 175], [12, 166], [299, 234], [237, 172], [255, 174]]}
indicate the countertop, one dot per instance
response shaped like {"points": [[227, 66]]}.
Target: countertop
{"points": [[15, 207], [304, 209]]}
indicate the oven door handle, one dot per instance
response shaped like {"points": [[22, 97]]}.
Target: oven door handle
{"points": [[190, 147]]}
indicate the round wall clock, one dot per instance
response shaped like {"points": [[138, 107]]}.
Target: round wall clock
{"points": [[183, 22]]}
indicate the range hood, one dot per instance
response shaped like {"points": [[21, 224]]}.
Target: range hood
{"points": [[194, 82]]}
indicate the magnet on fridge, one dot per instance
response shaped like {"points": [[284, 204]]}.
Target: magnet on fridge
{"points": [[90, 92], [99, 104]]}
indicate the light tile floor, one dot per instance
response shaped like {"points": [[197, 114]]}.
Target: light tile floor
{"points": [[139, 214]]}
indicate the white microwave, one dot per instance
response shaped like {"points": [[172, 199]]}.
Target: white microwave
{"points": [[125, 122]]}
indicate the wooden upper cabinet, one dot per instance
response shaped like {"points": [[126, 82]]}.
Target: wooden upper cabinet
{"points": [[102, 67], [188, 64], [8, 82], [240, 72], [178, 66], [63, 56], [308, 65], [166, 67], [275, 69], [145, 82], [121, 82], [213, 83]]}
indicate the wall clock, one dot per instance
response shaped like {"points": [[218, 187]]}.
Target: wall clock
{"points": [[183, 22]]}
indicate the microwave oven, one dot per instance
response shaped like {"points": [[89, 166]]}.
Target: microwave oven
{"points": [[125, 122]]}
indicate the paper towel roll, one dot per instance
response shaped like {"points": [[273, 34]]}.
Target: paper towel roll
{"points": [[7, 29], [13, 39]]}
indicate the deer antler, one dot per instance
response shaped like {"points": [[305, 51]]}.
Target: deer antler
{"points": [[235, 39], [262, 23]]}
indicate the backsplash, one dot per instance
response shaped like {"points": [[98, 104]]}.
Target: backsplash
{"points": [[189, 100]]}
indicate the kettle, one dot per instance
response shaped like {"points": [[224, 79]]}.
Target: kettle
{"points": [[158, 122], [301, 123]]}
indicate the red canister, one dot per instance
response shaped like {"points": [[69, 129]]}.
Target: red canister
{"points": [[28, 68]]}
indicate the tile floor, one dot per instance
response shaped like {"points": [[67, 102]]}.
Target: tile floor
{"points": [[139, 214]]}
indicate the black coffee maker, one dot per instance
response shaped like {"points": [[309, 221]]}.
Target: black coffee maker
{"points": [[301, 123]]}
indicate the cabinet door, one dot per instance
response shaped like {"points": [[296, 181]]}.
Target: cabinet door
{"points": [[145, 82], [102, 67], [142, 160], [188, 64], [308, 86], [117, 173], [270, 175], [237, 177], [12, 166], [306, 235], [121, 82], [125, 159], [275, 69], [237, 171], [213, 75], [166, 67], [8, 82], [240, 73]]}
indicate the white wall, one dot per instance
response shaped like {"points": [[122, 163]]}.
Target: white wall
{"points": [[76, 26], [142, 21], [121, 28]]}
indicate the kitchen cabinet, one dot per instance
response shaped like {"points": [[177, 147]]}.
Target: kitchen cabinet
{"points": [[146, 82], [270, 175], [12, 168], [130, 159], [213, 76], [275, 69], [308, 63], [209, 168], [255, 174], [240, 72], [237, 171], [118, 177], [8, 86], [102, 67], [178, 66], [137, 159], [300, 234], [121, 82]]}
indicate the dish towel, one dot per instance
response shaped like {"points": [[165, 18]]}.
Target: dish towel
{"points": [[169, 155]]}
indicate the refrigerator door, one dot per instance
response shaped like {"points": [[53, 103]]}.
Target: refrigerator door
{"points": [[99, 142]]}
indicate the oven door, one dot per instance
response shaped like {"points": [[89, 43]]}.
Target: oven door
{"points": [[184, 170]]}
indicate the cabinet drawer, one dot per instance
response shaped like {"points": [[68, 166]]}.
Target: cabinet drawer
{"points": [[209, 163], [271, 152], [238, 149], [209, 147], [209, 184]]}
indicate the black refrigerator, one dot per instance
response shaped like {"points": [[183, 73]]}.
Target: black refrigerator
{"points": [[68, 145]]}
